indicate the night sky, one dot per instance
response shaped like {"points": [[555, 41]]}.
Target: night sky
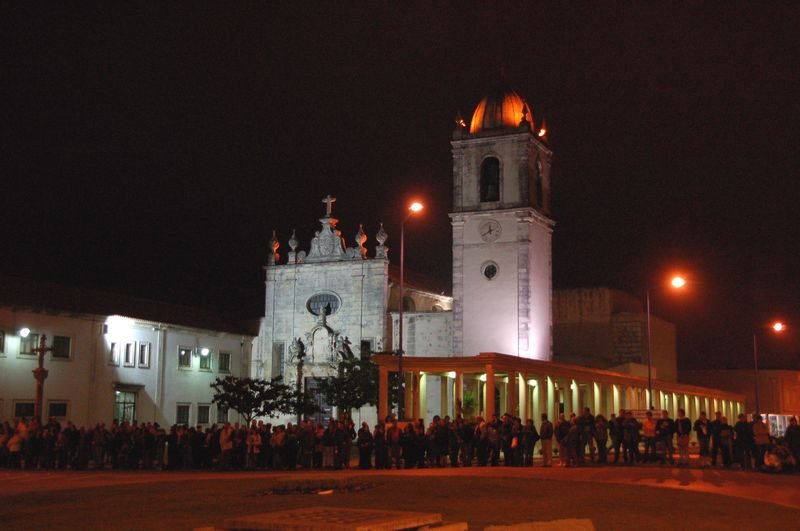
{"points": [[151, 150]]}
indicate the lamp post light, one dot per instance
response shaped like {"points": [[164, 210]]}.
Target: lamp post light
{"points": [[777, 327], [677, 282], [414, 208]]}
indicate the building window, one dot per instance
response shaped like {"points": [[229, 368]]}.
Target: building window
{"points": [[144, 355], [490, 180], [323, 302], [113, 354], [182, 414], [23, 409], [224, 362], [222, 414], [27, 344], [125, 406], [278, 358], [184, 358], [129, 355], [203, 414], [58, 409], [367, 346], [489, 270], [205, 360], [62, 347], [2, 342]]}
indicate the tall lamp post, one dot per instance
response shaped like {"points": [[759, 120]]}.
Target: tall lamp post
{"points": [[777, 327], [676, 282], [412, 209], [39, 373]]}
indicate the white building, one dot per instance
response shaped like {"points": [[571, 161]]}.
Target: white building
{"points": [[114, 357]]}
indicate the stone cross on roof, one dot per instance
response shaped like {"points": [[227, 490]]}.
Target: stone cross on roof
{"points": [[329, 201]]}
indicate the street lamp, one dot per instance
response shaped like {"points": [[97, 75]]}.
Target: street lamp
{"points": [[39, 373], [413, 208], [677, 282], [778, 327]]}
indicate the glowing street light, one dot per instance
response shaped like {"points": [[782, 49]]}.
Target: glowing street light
{"points": [[413, 208], [677, 282], [24, 332], [778, 327]]}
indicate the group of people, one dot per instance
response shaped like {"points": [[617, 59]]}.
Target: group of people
{"points": [[578, 440]]}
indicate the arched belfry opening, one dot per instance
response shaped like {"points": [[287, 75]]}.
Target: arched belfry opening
{"points": [[490, 180]]}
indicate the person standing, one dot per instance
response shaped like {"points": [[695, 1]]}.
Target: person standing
{"points": [[716, 439], [664, 435], [546, 433], [649, 430], [601, 435], [761, 439], [586, 427], [630, 438], [743, 442], [365, 443], [726, 441], [683, 428], [562, 429], [529, 437], [792, 437], [617, 434], [702, 428]]}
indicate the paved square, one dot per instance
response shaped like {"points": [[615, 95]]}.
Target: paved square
{"points": [[334, 519]]}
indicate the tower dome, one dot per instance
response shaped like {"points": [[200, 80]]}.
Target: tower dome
{"points": [[503, 108]]}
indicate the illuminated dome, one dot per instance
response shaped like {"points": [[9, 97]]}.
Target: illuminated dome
{"points": [[502, 109]]}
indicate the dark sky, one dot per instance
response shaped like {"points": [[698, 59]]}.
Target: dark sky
{"points": [[151, 150]]}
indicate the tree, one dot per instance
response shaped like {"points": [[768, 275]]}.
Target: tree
{"points": [[354, 386], [253, 397]]}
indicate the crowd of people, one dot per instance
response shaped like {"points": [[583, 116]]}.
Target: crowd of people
{"points": [[578, 440]]}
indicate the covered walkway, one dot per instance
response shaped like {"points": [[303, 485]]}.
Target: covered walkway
{"points": [[498, 383]]}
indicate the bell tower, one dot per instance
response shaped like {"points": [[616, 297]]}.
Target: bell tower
{"points": [[502, 231]]}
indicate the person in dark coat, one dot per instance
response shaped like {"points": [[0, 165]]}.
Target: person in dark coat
{"points": [[743, 442], [364, 441], [381, 449], [529, 439]]}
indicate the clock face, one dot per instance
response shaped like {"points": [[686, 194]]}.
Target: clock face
{"points": [[490, 230]]}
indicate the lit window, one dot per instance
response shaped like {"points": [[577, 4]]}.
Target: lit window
{"points": [[182, 414], [184, 357], [27, 344], [144, 355], [224, 362], [205, 361], [113, 354], [62, 347], [129, 356]]}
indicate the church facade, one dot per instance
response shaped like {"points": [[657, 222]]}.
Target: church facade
{"points": [[336, 300]]}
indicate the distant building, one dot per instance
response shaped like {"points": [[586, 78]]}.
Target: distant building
{"points": [[115, 357], [778, 390], [607, 329]]}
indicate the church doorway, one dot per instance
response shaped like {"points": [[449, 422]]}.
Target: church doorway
{"points": [[325, 410]]}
